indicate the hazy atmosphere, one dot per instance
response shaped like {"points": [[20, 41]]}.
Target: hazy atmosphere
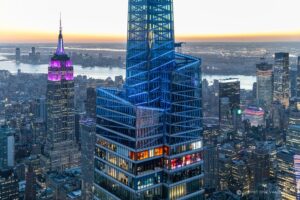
{"points": [[102, 20]]}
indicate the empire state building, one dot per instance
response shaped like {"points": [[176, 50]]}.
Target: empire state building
{"points": [[61, 151]]}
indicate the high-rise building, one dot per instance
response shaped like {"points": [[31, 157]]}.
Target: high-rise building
{"points": [[278, 115], [9, 187], [90, 103], [226, 154], [61, 150], [229, 101], [88, 140], [33, 56], [264, 76], [30, 189], [7, 147], [211, 140], [281, 79], [18, 54], [293, 82], [41, 109], [289, 180], [149, 135], [286, 174], [298, 85], [262, 170], [78, 117], [241, 179]]}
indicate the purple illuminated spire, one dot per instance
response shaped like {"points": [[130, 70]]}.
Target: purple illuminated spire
{"points": [[60, 46]]}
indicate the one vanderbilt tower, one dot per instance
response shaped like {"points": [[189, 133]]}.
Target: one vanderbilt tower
{"points": [[149, 134]]}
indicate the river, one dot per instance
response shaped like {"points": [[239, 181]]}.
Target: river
{"points": [[104, 72]]}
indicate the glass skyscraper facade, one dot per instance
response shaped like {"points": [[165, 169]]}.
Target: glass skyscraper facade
{"points": [[281, 92], [229, 102], [7, 147], [149, 134], [286, 178], [264, 76], [61, 151]]}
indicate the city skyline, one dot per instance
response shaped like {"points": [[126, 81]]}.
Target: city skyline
{"points": [[158, 117], [94, 21]]}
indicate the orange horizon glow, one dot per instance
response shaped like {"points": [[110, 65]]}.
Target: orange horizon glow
{"points": [[43, 37]]}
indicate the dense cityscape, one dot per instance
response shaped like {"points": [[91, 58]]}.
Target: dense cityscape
{"points": [[162, 130]]}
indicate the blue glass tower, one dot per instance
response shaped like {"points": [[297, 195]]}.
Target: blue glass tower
{"points": [[149, 134]]}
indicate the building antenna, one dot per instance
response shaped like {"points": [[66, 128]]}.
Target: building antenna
{"points": [[60, 26]]}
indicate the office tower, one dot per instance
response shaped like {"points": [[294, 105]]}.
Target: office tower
{"points": [[9, 187], [33, 56], [30, 189], [211, 140], [286, 174], [78, 117], [289, 158], [262, 166], [255, 115], [264, 77], [298, 85], [33, 50], [254, 90], [281, 79], [293, 82], [149, 143], [18, 54], [293, 130], [293, 137], [229, 101], [7, 147], [241, 180], [277, 115], [61, 150], [298, 77], [226, 155], [119, 81], [88, 140], [41, 110], [90, 103]]}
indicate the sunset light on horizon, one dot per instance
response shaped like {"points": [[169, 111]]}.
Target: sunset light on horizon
{"points": [[94, 21]]}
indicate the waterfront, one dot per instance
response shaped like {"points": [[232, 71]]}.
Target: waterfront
{"points": [[104, 72]]}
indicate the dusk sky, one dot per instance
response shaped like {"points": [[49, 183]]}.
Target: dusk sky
{"points": [[106, 20]]}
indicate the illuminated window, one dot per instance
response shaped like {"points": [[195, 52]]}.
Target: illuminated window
{"points": [[177, 192], [196, 145], [158, 151], [142, 155], [151, 153]]}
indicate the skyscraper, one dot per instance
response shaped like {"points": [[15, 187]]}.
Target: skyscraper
{"points": [[90, 103], [40, 110], [281, 79], [286, 174], [7, 147], [87, 132], [18, 54], [289, 159], [9, 187], [30, 190], [264, 76], [298, 84], [61, 151], [229, 101], [149, 135]]}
